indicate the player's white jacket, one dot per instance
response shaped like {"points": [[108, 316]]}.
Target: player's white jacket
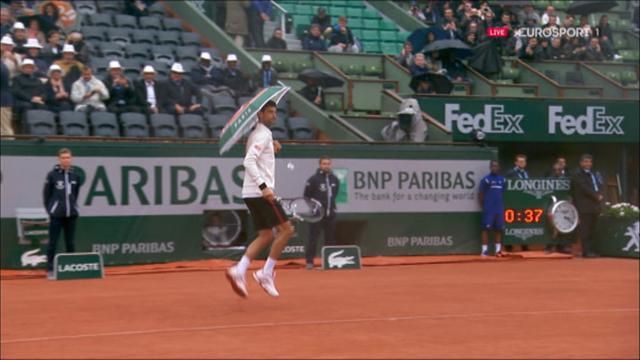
{"points": [[259, 162]]}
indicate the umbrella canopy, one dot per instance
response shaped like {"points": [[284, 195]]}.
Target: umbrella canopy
{"points": [[322, 78], [460, 49], [586, 7], [440, 83], [246, 116], [486, 58], [418, 38], [45, 26]]}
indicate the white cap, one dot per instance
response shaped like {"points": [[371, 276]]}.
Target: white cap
{"points": [[18, 26], [407, 111], [177, 67], [33, 43], [148, 69], [54, 67], [7, 40], [68, 48], [232, 57], [27, 62], [114, 64], [205, 55], [266, 58]]}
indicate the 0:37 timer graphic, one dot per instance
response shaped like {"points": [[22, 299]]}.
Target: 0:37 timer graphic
{"points": [[523, 216]]}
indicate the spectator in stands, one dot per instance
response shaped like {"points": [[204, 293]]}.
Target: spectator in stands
{"points": [[414, 10], [137, 8], [259, 13], [89, 93], [475, 29], [236, 22], [9, 58], [448, 16], [122, 96], [57, 93], [449, 31], [206, 74], [277, 42], [409, 126], [148, 91], [34, 32], [52, 50], [424, 87], [584, 24], [432, 14], [19, 37], [556, 51], [419, 65], [594, 51], [470, 39], [233, 77], [549, 12], [266, 76], [19, 8], [528, 16], [76, 39], [71, 68], [314, 40], [322, 19], [5, 21], [532, 52], [519, 171], [574, 50], [569, 21], [604, 30], [180, 94], [6, 101], [559, 168], [553, 23], [33, 52], [434, 62], [406, 55], [28, 90], [314, 93], [342, 39], [51, 15]]}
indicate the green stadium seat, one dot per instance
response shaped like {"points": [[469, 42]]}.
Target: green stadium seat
{"points": [[614, 76], [370, 14], [281, 66], [391, 48], [370, 35], [352, 69], [354, 13], [388, 36], [386, 25], [623, 25], [341, 3], [560, 4], [299, 66], [335, 11], [303, 9], [373, 24], [620, 42], [357, 33], [402, 36], [510, 73], [334, 104], [372, 70], [355, 23], [372, 47], [629, 78], [504, 81], [629, 55]]}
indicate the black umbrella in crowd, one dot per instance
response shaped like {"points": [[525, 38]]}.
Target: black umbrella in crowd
{"points": [[460, 49], [486, 58], [45, 26], [586, 7], [320, 77], [440, 83]]}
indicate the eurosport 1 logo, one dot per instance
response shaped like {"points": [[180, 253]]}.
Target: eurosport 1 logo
{"points": [[549, 32]]}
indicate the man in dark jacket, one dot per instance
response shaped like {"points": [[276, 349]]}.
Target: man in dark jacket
{"points": [[60, 197], [276, 41], [28, 91], [314, 93], [234, 78], [179, 95], [149, 91], [206, 73], [314, 41], [6, 102], [342, 39], [323, 186], [266, 76], [587, 192]]}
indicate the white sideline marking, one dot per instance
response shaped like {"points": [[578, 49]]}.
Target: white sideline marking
{"points": [[312, 322]]}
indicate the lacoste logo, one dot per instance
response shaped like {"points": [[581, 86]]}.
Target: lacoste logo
{"points": [[524, 234], [633, 232], [339, 261], [30, 258]]}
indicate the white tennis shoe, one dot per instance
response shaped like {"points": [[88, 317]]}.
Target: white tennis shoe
{"points": [[237, 281], [266, 281]]}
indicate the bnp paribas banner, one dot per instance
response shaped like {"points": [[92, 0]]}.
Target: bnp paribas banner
{"points": [[538, 120], [144, 203]]}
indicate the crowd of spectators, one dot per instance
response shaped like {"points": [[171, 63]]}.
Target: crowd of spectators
{"points": [[468, 20]]}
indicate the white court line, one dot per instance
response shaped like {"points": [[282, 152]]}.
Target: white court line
{"points": [[312, 322]]}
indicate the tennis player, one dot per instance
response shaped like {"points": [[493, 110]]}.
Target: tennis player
{"points": [[258, 194]]}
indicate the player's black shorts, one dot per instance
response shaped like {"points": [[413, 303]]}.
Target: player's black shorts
{"points": [[265, 214]]}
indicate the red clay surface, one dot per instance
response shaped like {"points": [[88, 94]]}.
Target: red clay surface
{"points": [[579, 308]]}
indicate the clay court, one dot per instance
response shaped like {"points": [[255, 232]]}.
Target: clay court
{"points": [[578, 308]]}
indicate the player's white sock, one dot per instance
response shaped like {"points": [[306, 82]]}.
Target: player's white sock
{"points": [[269, 265], [498, 247], [485, 248], [243, 264]]}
